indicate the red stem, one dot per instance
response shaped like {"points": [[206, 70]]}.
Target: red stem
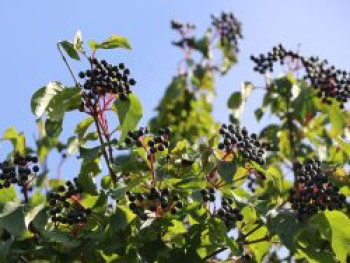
{"points": [[152, 169], [25, 192]]}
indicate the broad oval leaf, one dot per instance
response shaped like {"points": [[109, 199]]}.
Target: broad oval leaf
{"points": [[53, 128], [129, 114], [114, 41], [70, 49], [336, 227], [42, 97]]}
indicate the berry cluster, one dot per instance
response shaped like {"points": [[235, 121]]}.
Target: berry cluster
{"points": [[229, 28], [326, 79], [19, 171], [208, 195], [153, 144], [312, 190], [104, 78], [65, 206], [237, 138], [156, 201], [228, 214]]}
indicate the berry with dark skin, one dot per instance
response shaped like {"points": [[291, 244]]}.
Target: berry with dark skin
{"points": [[229, 215], [312, 191], [65, 207], [236, 139], [331, 84], [208, 195], [104, 80], [151, 143], [156, 200], [19, 170], [229, 29]]}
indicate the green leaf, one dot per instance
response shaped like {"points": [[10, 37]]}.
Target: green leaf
{"points": [[55, 100], [304, 104], [66, 100], [70, 49], [227, 170], [121, 218], [91, 166], [259, 113], [111, 43], [86, 181], [55, 183], [284, 144], [129, 114], [42, 98], [229, 56], [12, 219], [60, 237], [335, 226], [344, 145], [337, 119], [194, 183], [119, 191], [90, 154], [5, 248], [32, 213], [235, 100], [17, 139], [202, 45], [7, 195], [285, 225], [83, 127], [314, 255], [73, 145], [262, 248], [53, 128]]}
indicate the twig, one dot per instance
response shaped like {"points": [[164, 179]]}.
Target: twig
{"points": [[216, 252], [290, 134], [244, 236], [104, 153], [67, 64], [25, 192], [265, 238], [152, 169]]}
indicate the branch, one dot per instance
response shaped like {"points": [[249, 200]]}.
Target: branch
{"points": [[265, 238], [152, 169], [216, 252], [104, 153], [290, 134], [25, 192], [67, 64], [244, 236]]}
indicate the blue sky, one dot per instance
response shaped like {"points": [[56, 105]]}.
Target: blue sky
{"points": [[30, 30]]}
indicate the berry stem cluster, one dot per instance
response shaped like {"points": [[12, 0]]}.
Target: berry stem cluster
{"points": [[22, 170], [151, 144], [327, 80]]}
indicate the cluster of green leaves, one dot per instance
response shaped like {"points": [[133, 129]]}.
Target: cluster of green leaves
{"points": [[187, 103], [114, 233]]}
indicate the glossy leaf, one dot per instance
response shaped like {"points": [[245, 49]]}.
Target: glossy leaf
{"points": [[111, 43], [129, 114], [334, 225], [70, 49], [53, 128]]}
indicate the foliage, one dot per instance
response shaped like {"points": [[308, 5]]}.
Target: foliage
{"points": [[187, 189]]}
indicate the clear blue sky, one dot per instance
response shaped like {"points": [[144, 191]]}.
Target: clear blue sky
{"points": [[30, 29]]}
